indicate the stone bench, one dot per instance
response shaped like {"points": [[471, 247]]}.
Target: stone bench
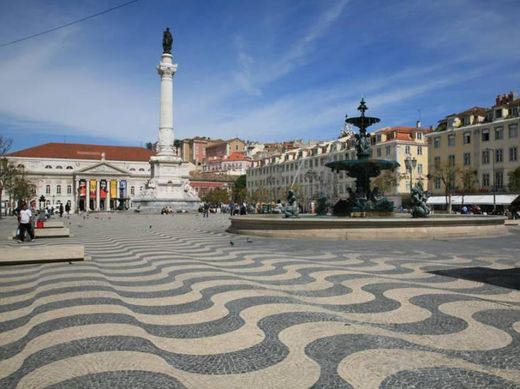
{"points": [[53, 224], [41, 254], [40, 233]]}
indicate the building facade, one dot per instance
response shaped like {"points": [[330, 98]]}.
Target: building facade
{"points": [[194, 150], [483, 142], [399, 144], [88, 177], [303, 170]]}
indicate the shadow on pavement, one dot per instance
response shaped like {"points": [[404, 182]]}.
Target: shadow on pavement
{"points": [[506, 278]]}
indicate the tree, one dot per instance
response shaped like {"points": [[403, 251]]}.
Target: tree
{"points": [[468, 181], [20, 188], [7, 170], [12, 179], [386, 181], [447, 173], [216, 196], [514, 180], [239, 189]]}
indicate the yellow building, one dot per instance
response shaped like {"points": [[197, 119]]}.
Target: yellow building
{"points": [[482, 142], [400, 144]]}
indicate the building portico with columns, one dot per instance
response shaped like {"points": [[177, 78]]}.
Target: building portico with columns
{"points": [[88, 177]]}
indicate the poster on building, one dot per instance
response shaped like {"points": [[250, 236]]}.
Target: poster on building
{"points": [[82, 188], [93, 187], [122, 189], [113, 189], [103, 189]]}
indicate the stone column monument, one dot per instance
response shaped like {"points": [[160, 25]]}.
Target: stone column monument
{"points": [[169, 185]]}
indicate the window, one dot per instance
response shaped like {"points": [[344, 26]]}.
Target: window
{"points": [[437, 162], [387, 151], [419, 150], [485, 135], [47, 189], [59, 167], [132, 190], [21, 166], [69, 189], [499, 155], [513, 131], [48, 167], [419, 136], [436, 142], [498, 113], [378, 152], [236, 147], [485, 157], [451, 160], [141, 170], [58, 189], [467, 159], [499, 133], [419, 168], [132, 169], [451, 140], [513, 153], [485, 179], [407, 149], [467, 138], [499, 180], [437, 183], [69, 167]]}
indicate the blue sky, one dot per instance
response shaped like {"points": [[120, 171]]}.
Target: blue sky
{"points": [[260, 70]]}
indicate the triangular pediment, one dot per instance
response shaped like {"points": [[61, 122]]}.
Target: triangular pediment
{"points": [[103, 168]]}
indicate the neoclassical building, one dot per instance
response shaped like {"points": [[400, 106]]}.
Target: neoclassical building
{"points": [[89, 177]]}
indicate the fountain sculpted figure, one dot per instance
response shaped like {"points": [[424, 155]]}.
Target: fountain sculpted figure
{"points": [[418, 198], [167, 41], [291, 209]]}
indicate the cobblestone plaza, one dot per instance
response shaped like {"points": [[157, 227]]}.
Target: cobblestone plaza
{"points": [[175, 301]]}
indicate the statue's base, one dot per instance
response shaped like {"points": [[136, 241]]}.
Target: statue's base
{"points": [[371, 214], [155, 206]]}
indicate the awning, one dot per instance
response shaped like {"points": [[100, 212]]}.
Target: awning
{"points": [[500, 199]]}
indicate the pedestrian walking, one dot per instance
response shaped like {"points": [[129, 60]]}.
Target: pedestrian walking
{"points": [[61, 209], [25, 222], [205, 213]]}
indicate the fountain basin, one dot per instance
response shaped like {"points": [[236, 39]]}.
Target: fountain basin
{"points": [[372, 165], [381, 228]]}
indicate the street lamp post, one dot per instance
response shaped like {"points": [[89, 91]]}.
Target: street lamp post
{"points": [[410, 164], [311, 175], [493, 156]]}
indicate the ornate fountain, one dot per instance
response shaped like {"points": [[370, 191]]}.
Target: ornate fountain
{"points": [[364, 201]]}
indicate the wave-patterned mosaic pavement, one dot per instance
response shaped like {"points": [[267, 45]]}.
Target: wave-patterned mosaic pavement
{"points": [[174, 302]]}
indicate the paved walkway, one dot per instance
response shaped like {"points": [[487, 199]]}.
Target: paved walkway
{"points": [[174, 301]]}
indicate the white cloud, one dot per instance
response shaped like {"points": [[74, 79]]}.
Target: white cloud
{"points": [[40, 84], [296, 55]]}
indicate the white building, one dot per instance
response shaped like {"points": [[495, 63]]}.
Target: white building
{"points": [[89, 177], [302, 170]]}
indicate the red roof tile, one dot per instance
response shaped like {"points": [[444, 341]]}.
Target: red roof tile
{"points": [[82, 151], [237, 156]]}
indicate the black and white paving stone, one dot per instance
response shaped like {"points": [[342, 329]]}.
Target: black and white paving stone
{"points": [[169, 302]]}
